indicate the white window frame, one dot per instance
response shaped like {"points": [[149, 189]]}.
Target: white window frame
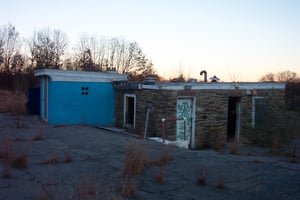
{"points": [[134, 110]]}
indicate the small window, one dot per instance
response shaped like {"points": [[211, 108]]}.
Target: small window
{"points": [[129, 110], [84, 90]]}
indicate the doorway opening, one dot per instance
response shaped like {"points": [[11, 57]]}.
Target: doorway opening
{"points": [[233, 118], [129, 110]]}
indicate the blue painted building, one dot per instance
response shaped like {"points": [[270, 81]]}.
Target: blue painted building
{"points": [[77, 97]]}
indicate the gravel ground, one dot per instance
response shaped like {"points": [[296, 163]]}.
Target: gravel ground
{"points": [[81, 162]]}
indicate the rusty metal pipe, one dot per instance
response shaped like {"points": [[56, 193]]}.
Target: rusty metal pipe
{"points": [[205, 75]]}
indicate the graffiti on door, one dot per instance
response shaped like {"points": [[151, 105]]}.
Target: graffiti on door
{"points": [[184, 110]]}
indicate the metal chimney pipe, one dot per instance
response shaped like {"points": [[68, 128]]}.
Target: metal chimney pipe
{"points": [[205, 75]]}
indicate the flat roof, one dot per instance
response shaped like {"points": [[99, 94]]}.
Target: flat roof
{"points": [[202, 86], [81, 76]]}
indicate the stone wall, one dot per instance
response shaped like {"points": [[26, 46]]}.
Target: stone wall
{"points": [[162, 105], [210, 113], [276, 108], [211, 119]]}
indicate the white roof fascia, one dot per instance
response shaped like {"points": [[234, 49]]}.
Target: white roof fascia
{"points": [[217, 86], [241, 86], [150, 87], [80, 76]]}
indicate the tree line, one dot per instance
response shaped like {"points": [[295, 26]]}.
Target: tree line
{"points": [[49, 49]]}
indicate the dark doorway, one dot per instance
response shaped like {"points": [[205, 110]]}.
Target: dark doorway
{"points": [[129, 111], [233, 118]]}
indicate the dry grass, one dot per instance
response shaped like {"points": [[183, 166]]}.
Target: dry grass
{"points": [[49, 190], [234, 147], [134, 165], [38, 136], [6, 153], [201, 175], [18, 139], [275, 145], [20, 161], [6, 146], [135, 159], [165, 158], [221, 181], [258, 161], [159, 177], [293, 150], [6, 173], [51, 161], [86, 188], [12, 102], [68, 156], [20, 155], [294, 160], [12, 156], [129, 187], [221, 184]]}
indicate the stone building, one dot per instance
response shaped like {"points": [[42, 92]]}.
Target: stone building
{"points": [[206, 115]]}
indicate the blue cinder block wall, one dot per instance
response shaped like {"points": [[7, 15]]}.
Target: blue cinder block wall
{"points": [[90, 103]]}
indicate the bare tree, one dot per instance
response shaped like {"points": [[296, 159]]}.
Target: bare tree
{"points": [[9, 45], [18, 63], [47, 48], [1, 52], [112, 53], [88, 53], [269, 77], [286, 76], [283, 76], [86, 62]]}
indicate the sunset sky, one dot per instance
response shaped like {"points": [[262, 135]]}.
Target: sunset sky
{"points": [[232, 39]]}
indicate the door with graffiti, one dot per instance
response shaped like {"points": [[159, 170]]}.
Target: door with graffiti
{"points": [[184, 111]]}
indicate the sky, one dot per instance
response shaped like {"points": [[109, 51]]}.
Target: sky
{"points": [[236, 40]]}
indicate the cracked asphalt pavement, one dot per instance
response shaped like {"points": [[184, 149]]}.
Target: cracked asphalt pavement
{"points": [[81, 162]]}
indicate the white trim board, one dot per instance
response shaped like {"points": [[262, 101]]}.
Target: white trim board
{"points": [[214, 86]]}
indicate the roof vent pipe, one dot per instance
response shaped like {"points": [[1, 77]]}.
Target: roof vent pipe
{"points": [[205, 75]]}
